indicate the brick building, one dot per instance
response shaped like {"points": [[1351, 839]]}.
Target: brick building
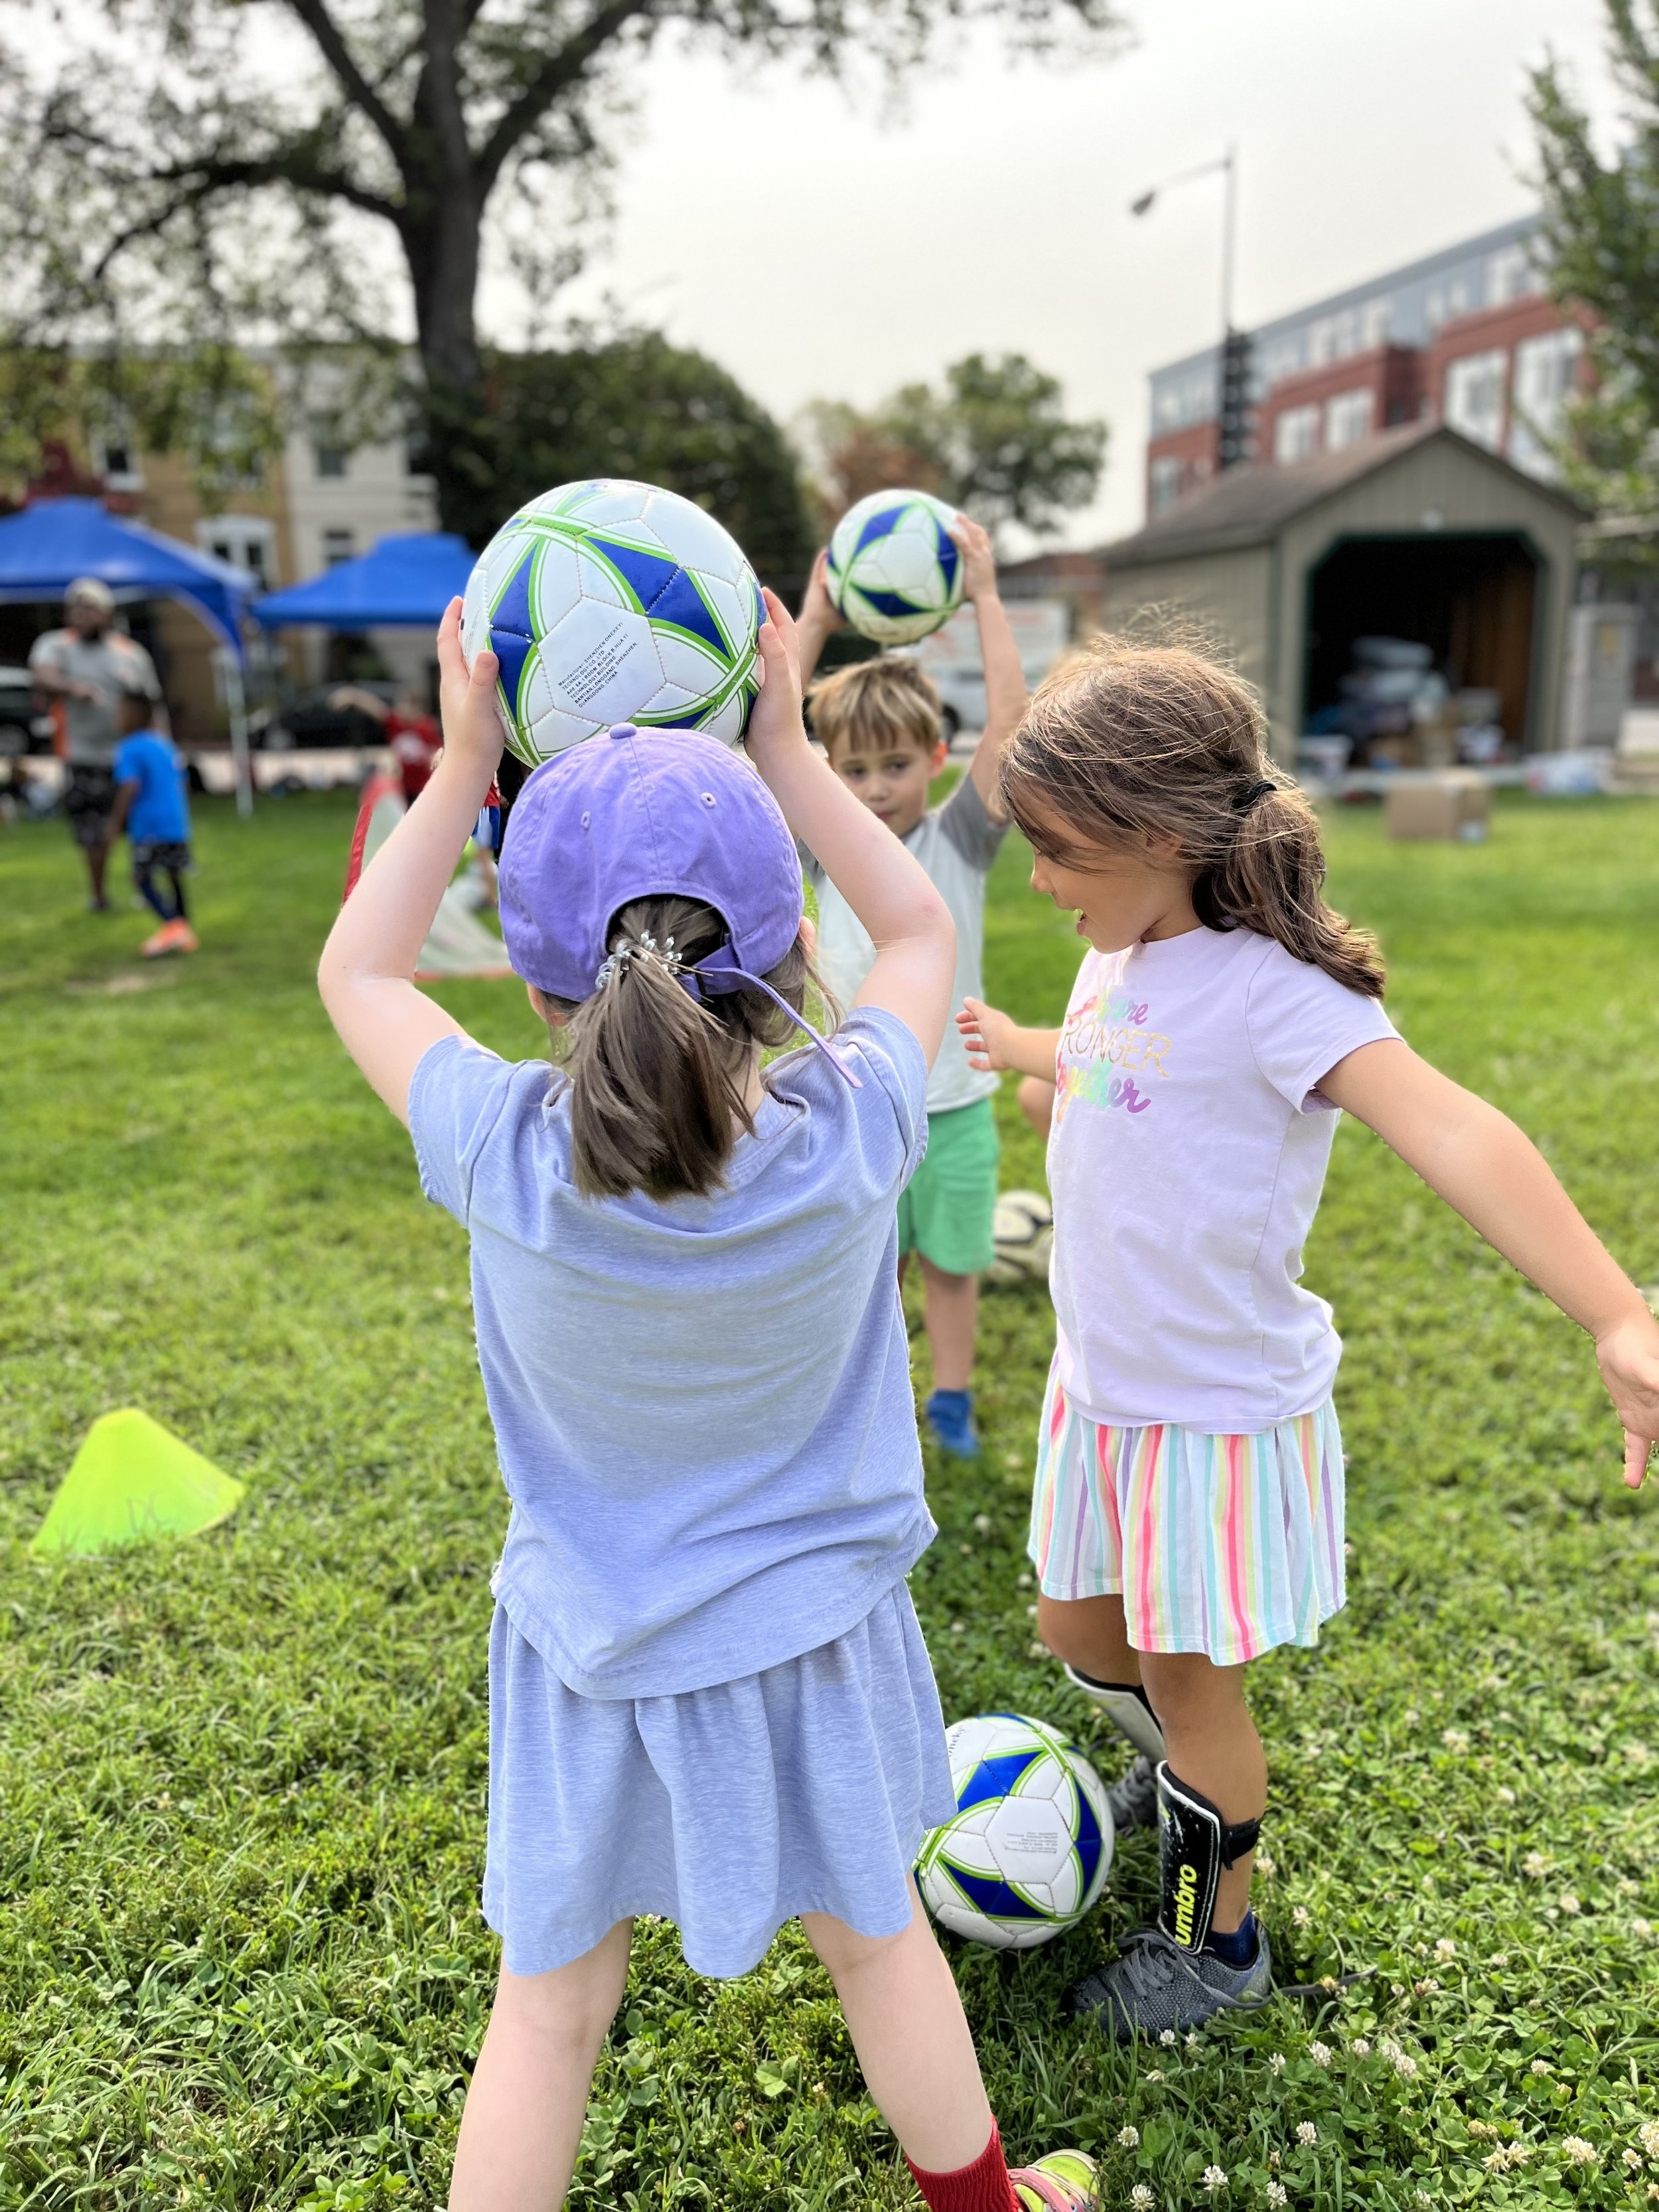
{"points": [[1467, 337]]}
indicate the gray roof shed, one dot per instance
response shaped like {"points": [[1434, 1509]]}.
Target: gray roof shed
{"points": [[1415, 532]]}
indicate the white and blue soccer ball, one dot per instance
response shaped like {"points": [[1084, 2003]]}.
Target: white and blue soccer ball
{"points": [[1027, 1854], [895, 569], [610, 601]]}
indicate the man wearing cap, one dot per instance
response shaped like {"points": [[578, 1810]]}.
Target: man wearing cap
{"points": [[89, 664]]}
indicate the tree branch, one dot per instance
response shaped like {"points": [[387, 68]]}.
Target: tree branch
{"points": [[555, 71], [331, 42], [197, 182]]}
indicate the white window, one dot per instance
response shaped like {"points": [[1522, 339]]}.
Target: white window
{"points": [[1347, 419], [1374, 318], [1545, 370], [1509, 275], [337, 545], [1281, 359], [1474, 396], [1295, 435], [1321, 341], [1165, 487], [330, 455], [244, 541]]}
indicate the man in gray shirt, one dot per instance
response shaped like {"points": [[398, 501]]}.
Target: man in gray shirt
{"points": [[88, 665]]}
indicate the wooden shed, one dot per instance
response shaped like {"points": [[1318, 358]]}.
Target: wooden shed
{"points": [[1416, 534]]}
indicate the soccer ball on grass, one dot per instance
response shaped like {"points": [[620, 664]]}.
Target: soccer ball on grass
{"points": [[1027, 1854], [610, 601], [1022, 1231], [894, 571]]}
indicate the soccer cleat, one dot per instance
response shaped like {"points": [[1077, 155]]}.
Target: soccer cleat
{"points": [[1133, 1796], [1155, 1988], [158, 946], [1065, 2181], [950, 1416], [184, 938]]}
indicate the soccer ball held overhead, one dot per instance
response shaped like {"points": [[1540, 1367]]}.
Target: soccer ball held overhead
{"points": [[894, 569], [610, 601]]}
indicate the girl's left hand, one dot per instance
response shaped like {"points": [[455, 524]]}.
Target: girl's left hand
{"points": [[979, 560], [1629, 1359], [775, 720], [466, 699]]}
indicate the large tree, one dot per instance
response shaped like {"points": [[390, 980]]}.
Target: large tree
{"points": [[205, 169], [1601, 230]]}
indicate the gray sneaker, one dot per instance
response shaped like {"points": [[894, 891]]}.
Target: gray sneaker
{"points": [[1155, 1987], [1133, 1796]]}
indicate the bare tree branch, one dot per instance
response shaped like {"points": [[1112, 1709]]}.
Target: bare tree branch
{"points": [[330, 43], [556, 73]]}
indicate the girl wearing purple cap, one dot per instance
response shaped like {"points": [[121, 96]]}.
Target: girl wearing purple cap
{"points": [[709, 1697]]}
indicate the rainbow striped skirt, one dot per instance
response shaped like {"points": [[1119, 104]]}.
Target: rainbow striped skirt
{"points": [[1222, 1545]]}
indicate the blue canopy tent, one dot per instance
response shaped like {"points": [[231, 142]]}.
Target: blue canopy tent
{"points": [[49, 545], [404, 583]]}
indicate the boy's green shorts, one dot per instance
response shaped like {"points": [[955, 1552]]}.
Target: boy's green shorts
{"points": [[946, 1209]]}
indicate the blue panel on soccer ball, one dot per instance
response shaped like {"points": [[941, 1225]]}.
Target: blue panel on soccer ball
{"points": [[647, 575], [995, 1778], [1089, 1840], [889, 603], [512, 631], [681, 604], [879, 526], [948, 555], [994, 1899]]}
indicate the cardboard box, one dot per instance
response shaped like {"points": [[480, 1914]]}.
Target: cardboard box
{"points": [[1440, 806]]}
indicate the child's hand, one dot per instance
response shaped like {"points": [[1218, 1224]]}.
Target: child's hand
{"points": [[979, 561], [818, 610], [987, 1033], [775, 723], [1629, 1359], [466, 701]]}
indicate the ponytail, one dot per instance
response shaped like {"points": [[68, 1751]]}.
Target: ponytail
{"points": [[1159, 745], [656, 1076]]}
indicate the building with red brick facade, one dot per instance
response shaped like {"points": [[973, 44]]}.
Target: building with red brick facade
{"points": [[1467, 337]]}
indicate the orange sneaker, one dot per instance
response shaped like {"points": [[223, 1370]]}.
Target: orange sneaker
{"points": [[156, 947], [184, 938]]}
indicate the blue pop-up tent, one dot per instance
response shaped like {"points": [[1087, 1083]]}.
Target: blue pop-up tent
{"points": [[404, 583], [53, 541], [49, 545]]}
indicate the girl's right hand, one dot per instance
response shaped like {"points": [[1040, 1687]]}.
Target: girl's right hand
{"points": [[987, 1035], [466, 699], [1628, 1355], [819, 611]]}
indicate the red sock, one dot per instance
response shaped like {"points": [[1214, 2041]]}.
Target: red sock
{"points": [[984, 2186]]}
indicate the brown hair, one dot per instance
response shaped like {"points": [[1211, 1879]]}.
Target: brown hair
{"points": [[1133, 741], [874, 703], [654, 1074]]}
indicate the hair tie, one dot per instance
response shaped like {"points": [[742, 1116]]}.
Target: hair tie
{"points": [[644, 947], [1261, 789]]}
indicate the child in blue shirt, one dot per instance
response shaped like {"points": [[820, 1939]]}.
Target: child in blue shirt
{"points": [[709, 1696], [150, 805]]}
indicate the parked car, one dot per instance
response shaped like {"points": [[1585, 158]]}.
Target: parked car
{"points": [[23, 730], [308, 720]]}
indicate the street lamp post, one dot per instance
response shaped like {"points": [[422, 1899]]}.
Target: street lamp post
{"points": [[1233, 437]]}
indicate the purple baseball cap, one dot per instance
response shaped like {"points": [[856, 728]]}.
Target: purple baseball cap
{"points": [[635, 815], [639, 814]]}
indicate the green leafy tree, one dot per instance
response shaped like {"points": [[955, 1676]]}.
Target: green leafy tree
{"points": [[994, 439], [182, 169], [1601, 231], [636, 406]]}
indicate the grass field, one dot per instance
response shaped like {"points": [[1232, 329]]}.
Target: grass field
{"points": [[242, 1778]]}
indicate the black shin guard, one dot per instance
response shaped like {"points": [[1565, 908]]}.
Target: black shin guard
{"points": [[1195, 1845]]}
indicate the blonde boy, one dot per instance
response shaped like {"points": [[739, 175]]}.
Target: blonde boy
{"points": [[879, 722]]}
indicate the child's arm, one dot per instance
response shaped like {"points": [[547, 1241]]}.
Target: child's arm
{"points": [[1483, 1166], [996, 1044], [907, 921], [347, 695], [818, 620], [1005, 675], [124, 794], [367, 968]]}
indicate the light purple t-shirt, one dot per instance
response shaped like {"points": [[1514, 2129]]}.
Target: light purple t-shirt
{"points": [[1189, 1151], [702, 1406]]}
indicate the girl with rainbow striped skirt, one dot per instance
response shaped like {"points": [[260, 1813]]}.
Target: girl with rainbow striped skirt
{"points": [[1187, 1511]]}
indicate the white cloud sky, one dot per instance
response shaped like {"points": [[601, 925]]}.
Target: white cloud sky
{"points": [[816, 248]]}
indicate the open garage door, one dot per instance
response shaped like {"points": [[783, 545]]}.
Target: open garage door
{"points": [[1472, 600]]}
